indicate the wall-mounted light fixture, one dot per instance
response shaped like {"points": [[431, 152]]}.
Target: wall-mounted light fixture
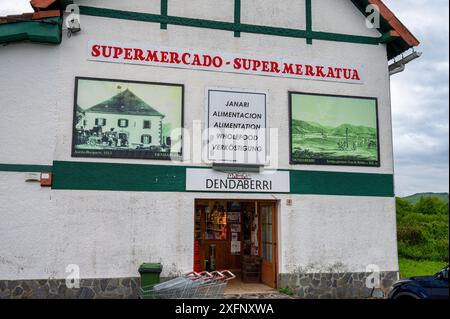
{"points": [[400, 66]]}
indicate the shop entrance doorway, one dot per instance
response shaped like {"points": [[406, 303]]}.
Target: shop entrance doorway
{"points": [[239, 235]]}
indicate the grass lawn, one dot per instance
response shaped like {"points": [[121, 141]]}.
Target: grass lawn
{"points": [[411, 268]]}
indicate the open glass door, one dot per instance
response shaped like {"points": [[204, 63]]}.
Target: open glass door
{"points": [[268, 244]]}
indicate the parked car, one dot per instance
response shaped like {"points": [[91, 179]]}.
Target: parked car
{"points": [[424, 287]]}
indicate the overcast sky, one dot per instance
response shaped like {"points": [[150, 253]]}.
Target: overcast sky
{"points": [[420, 100], [420, 97], [14, 6]]}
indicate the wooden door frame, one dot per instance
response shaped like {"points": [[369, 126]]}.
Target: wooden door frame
{"points": [[275, 218], [275, 238]]}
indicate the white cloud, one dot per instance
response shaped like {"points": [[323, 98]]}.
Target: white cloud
{"points": [[8, 7]]}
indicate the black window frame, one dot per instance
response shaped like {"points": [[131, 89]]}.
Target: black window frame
{"points": [[125, 126], [149, 125], [145, 135], [97, 121]]}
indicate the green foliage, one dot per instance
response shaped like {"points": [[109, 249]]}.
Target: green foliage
{"points": [[444, 208], [286, 291], [431, 205], [423, 229], [412, 268], [413, 199], [403, 206], [411, 234]]}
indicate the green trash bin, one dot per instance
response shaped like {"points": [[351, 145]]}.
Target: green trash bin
{"points": [[150, 275]]}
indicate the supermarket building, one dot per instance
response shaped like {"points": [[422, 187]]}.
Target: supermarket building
{"points": [[101, 168]]}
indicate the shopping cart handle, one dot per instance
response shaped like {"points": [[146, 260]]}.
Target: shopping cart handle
{"points": [[206, 274], [219, 276], [230, 276]]}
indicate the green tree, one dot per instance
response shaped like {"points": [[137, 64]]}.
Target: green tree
{"points": [[403, 206], [429, 205], [422, 229], [444, 208]]}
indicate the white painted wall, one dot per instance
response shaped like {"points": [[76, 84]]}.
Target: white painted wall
{"points": [[219, 10], [110, 233], [280, 13], [28, 103], [340, 233], [344, 18], [148, 6]]}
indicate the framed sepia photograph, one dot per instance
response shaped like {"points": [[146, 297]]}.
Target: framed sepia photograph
{"points": [[126, 119], [334, 130]]}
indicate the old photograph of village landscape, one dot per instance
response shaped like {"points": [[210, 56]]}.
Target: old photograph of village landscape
{"points": [[334, 130]]}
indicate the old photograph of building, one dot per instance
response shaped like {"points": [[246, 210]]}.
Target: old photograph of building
{"points": [[126, 119]]}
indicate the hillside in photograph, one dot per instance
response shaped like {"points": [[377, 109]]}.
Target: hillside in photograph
{"points": [[346, 142]]}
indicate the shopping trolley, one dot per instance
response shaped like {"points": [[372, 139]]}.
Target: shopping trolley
{"points": [[204, 285]]}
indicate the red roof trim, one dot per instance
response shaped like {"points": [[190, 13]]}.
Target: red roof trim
{"points": [[41, 4], [396, 24], [29, 16]]}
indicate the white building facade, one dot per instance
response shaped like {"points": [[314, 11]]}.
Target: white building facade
{"points": [[334, 225]]}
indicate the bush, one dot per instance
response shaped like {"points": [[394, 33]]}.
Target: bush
{"points": [[403, 206], [423, 230], [444, 208], [431, 205], [412, 234]]}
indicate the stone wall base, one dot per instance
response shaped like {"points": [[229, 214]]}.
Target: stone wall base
{"points": [[304, 286], [115, 288], [336, 285]]}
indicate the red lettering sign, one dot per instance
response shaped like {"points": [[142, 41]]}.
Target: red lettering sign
{"points": [[222, 62]]}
